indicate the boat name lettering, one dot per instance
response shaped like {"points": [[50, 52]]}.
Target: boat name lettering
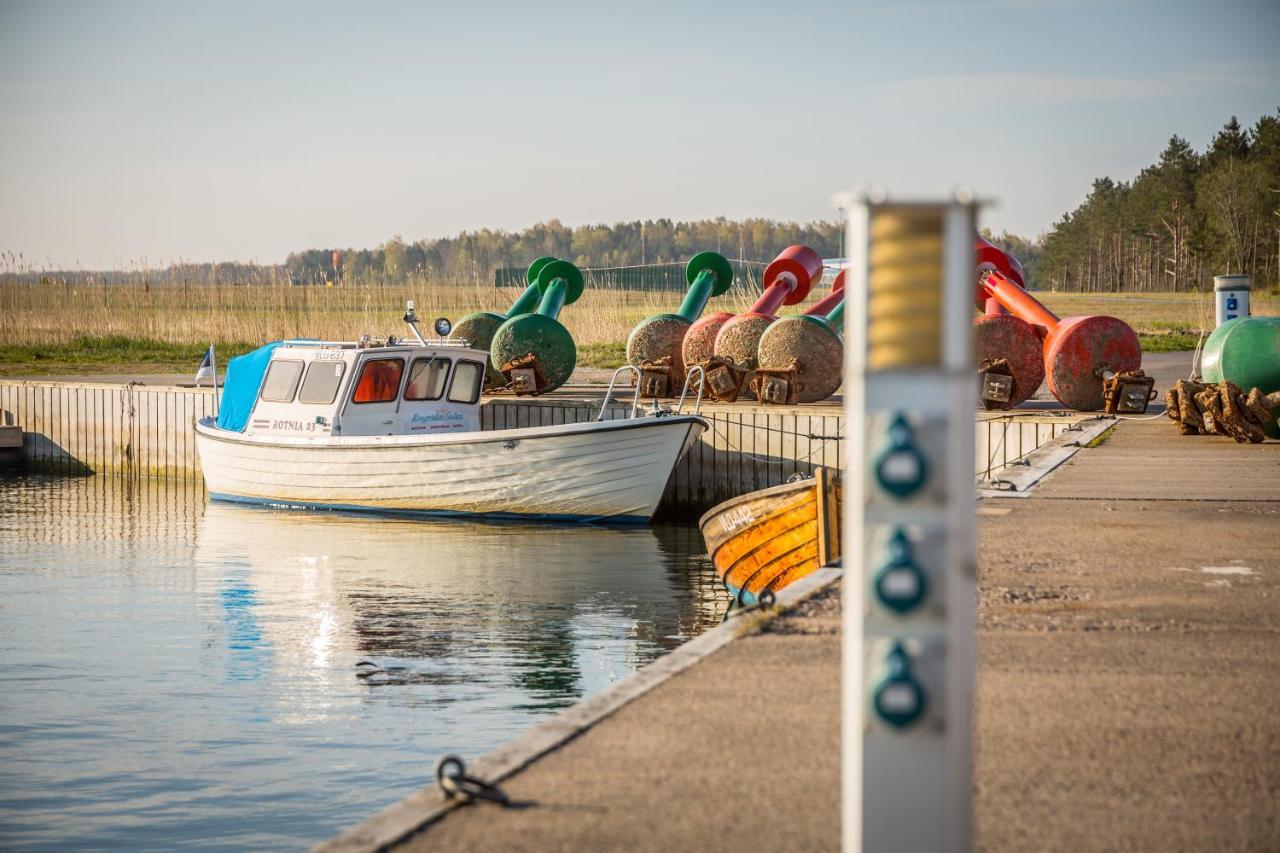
{"points": [[435, 417], [328, 355], [299, 426], [737, 517]]}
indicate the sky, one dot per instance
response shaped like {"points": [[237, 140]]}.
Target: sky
{"points": [[142, 133]]}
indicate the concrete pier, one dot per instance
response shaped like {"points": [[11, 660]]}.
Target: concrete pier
{"points": [[1129, 672]]}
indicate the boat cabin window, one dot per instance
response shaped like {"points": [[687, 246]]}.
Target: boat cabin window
{"points": [[281, 381], [379, 381], [468, 379], [427, 378], [321, 384]]}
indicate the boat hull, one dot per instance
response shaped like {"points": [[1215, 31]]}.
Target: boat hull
{"points": [[612, 470], [763, 541]]}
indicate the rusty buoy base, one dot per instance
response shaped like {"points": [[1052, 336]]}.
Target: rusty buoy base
{"points": [[657, 338], [700, 339], [817, 351], [997, 336], [478, 330], [739, 341], [541, 336], [1079, 349]]}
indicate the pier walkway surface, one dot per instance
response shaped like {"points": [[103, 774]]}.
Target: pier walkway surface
{"points": [[1128, 697]]}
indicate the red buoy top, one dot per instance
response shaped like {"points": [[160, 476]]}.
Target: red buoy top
{"points": [[796, 264], [989, 257]]}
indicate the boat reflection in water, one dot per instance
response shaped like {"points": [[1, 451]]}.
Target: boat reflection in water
{"points": [[511, 616], [177, 672]]}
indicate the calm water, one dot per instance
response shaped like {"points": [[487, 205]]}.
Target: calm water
{"points": [[176, 674]]}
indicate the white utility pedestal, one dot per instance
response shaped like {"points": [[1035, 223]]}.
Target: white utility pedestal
{"points": [[910, 595]]}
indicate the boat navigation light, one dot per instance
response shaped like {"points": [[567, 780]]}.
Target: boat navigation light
{"points": [[412, 320]]}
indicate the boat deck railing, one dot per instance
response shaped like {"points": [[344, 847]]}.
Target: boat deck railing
{"points": [[613, 380], [635, 401]]}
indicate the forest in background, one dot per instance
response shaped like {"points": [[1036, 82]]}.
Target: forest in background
{"points": [[475, 256], [1179, 222]]}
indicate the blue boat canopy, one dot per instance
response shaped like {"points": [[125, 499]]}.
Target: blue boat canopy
{"points": [[244, 378]]}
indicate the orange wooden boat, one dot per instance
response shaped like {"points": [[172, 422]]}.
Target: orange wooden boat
{"points": [[763, 541]]}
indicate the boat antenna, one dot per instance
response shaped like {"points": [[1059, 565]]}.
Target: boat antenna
{"points": [[412, 319]]}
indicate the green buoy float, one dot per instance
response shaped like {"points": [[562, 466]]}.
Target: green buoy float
{"points": [[1246, 352], [534, 352], [478, 329], [662, 336]]}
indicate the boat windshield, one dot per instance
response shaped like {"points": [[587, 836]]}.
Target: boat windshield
{"points": [[467, 381], [427, 378], [379, 381]]}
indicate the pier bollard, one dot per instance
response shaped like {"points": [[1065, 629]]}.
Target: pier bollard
{"points": [[801, 358], [478, 329], [662, 336], [909, 587], [787, 279], [1080, 353], [534, 352]]}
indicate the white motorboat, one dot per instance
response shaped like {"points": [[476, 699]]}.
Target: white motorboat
{"points": [[394, 427]]}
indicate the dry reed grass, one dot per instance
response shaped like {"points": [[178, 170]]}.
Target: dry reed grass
{"points": [[57, 312]]}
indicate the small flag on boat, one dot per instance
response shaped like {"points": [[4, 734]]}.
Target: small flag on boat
{"points": [[206, 368]]}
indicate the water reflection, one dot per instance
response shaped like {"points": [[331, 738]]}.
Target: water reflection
{"points": [[550, 613], [177, 672]]}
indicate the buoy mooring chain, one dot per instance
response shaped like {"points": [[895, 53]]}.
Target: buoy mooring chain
{"points": [[737, 607], [455, 784]]}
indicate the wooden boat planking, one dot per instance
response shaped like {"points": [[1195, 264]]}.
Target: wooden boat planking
{"points": [[762, 541]]}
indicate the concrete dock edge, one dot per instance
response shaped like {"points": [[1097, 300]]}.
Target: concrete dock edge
{"points": [[1040, 463], [415, 812]]}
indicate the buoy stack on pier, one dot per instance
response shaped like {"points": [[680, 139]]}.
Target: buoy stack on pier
{"points": [[534, 352], [478, 329], [800, 359], [1081, 354], [787, 281], [655, 344], [1009, 350]]}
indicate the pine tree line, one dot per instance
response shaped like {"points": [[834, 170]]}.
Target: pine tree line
{"points": [[1178, 223], [477, 255]]}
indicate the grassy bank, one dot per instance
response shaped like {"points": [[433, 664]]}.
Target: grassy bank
{"points": [[109, 354], [55, 328]]}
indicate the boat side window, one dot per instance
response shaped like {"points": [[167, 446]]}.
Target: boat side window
{"points": [[427, 378], [281, 381], [468, 379], [379, 380], [321, 384]]}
